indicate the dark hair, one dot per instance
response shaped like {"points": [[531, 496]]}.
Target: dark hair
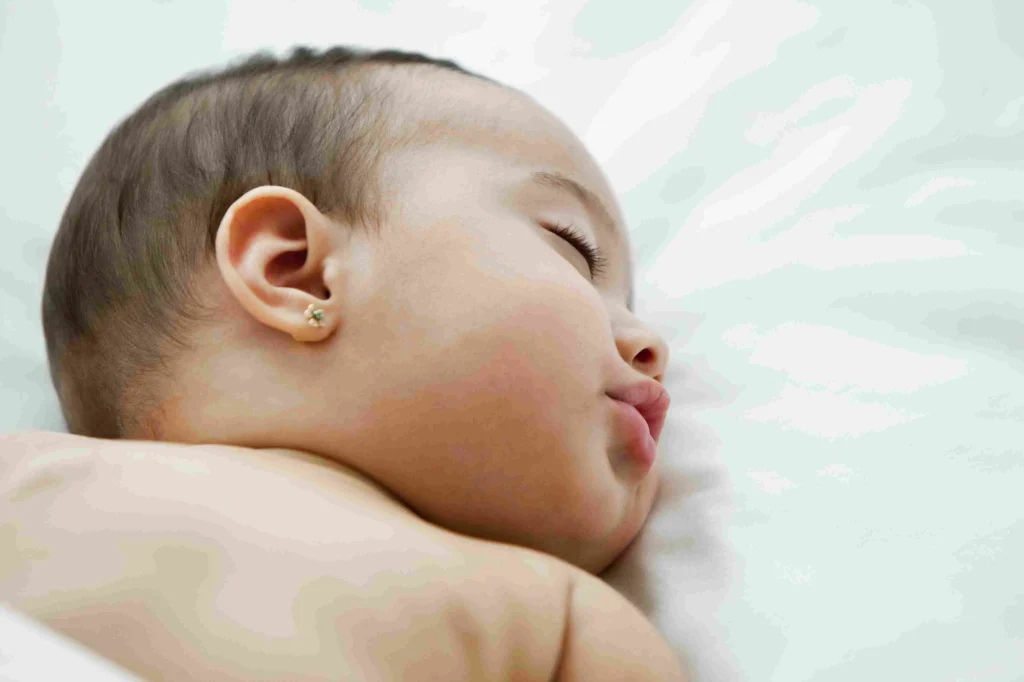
{"points": [[120, 297]]}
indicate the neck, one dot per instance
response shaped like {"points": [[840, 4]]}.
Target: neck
{"points": [[343, 478]]}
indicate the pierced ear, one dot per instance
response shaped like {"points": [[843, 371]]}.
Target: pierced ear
{"points": [[271, 249]]}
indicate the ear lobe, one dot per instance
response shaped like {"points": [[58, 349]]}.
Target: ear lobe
{"points": [[271, 246]]}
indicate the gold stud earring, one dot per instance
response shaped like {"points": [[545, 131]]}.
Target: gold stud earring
{"points": [[315, 316]]}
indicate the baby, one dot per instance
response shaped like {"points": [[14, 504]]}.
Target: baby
{"points": [[366, 319]]}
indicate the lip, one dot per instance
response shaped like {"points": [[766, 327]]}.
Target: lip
{"points": [[650, 399], [639, 442]]}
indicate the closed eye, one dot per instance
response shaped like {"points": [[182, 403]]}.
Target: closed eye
{"points": [[595, 261]]}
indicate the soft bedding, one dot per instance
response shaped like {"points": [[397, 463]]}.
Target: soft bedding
{"points": [[825, 203]]}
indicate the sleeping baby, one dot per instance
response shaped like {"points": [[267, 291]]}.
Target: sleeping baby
{"points": [[346, 348]]}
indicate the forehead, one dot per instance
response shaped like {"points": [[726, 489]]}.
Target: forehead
{"points": [[437, 106]]}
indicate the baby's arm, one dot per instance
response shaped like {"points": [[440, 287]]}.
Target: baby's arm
{"points": [[607, 638], [180, 561]]}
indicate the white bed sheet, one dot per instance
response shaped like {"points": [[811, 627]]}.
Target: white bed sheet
{"points": [[826, 206], [32, 652]]}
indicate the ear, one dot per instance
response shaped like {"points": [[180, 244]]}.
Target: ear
{"points": [[273, 248]]}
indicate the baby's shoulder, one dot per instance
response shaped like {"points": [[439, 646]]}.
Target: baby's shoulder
{"points": [[157, 555]]}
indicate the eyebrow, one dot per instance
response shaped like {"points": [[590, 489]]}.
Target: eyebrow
{"points": [[590, 200]]}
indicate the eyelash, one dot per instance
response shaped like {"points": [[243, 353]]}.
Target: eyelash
{"points": [[591, 253]]}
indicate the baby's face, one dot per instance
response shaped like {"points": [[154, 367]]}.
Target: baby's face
{"points": [[472, 349]]}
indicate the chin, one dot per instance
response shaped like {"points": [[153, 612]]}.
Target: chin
{"points": [[621, 549], [603, 556], [604, 547], [625, 537]]}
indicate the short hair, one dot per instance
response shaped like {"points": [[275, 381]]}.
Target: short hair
{"points": [[120, 297]]}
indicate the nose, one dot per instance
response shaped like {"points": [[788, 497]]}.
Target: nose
{"points": [[642, 347]]}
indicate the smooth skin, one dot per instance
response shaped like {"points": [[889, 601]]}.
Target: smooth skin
{"points": [[456, 392], [465, 355], [215, 562]]}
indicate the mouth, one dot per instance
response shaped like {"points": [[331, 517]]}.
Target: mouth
{"points": [[635, 434], [650, 399]]}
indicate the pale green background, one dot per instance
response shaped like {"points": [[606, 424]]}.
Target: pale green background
{"points": [[826, 201]]}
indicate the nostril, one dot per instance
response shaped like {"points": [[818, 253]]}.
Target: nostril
{"points": [[645, 356]]}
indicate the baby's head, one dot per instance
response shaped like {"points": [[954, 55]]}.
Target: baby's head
{"points": [[466, 352]]}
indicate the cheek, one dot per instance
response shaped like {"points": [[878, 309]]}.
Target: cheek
{"points": [[494, 345], [551, 341], [516, 369], [508, 316]]}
